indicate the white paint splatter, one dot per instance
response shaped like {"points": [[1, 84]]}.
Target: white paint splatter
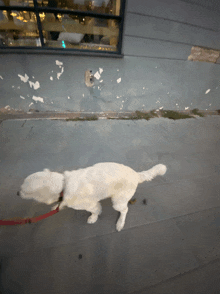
{"points": [[18, 87], [161, 107], [156, 67], [28, 95], [33, 77], [38, 99], [100, 70], [176, 104], [68, 97], [117, 96], [7, 107], [98, 87], [60, 73], [35, 85], [24, 79], [207, 91], [210, 104], [143, 87], [31, 104], [186, 108], [58, 63], [119, 80], [52, 102], [60, 66], [13, 86], [97, 75], [101, 81], [1, 77], [22, 97], [83, 95], [117, 69], [51, 78]]}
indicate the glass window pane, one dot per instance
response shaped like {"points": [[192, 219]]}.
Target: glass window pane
{"points": [[18, 28], [98, 6], [22, 3], [70, 31]]}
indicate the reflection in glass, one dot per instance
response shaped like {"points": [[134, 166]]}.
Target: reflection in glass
{"points": [[98, 6], [70, 31], [18, 29], [23, 3]]}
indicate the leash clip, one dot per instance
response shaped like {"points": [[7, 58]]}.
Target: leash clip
{"points": [[28, 221]]}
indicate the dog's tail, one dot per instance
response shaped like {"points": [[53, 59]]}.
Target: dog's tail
{"points": [[148, 175]]}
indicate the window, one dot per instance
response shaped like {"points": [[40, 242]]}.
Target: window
{"points": [[82, 25]]}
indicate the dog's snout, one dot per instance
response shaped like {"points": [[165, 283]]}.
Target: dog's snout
{"points": [[18, 193]]}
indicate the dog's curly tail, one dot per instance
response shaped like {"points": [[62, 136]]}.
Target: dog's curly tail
{"points": [[148, 175]]}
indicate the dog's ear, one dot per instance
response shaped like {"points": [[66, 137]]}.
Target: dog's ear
{"points": [[46, 170]]}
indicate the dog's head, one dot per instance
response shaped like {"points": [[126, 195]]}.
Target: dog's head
{"points": [[44, 186]]}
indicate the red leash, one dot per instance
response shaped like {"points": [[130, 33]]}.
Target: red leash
{"points": [[30, 220]]}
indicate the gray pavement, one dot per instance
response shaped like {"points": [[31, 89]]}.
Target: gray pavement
{"points": [[170, 245]]}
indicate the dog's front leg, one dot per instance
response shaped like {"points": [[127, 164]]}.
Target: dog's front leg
{"points": [[96, 211], [62, 204]]}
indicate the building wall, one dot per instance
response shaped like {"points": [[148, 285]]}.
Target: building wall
{"points": [[154, 72]]}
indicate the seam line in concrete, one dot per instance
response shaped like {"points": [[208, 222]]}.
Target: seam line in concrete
{"points": [[217, 260]]}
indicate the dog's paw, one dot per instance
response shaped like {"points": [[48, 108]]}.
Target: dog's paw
{"points": [[119, 225], [92, 219]]}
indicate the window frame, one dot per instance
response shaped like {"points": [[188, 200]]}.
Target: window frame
{"points": [[50, 50]]}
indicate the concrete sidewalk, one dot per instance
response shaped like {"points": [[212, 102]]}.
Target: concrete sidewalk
{"points": [[170, 245]]}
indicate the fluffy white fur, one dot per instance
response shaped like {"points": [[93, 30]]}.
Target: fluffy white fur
{"points": [[84, 188]]}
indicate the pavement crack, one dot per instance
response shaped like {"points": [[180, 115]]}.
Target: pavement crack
{"points": [[24, 123], [29, 132]]}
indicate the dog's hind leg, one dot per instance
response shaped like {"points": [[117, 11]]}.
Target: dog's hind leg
{"points": [[123, 209], [120, 203], [95, 210]]}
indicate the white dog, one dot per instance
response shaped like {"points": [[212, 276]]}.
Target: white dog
{"points": [[84, 188]]}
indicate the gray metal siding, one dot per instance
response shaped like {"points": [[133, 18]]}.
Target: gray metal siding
{"points": [[136, 46], [168, 29], [209, 4], [178, 11], [154, 28]]}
